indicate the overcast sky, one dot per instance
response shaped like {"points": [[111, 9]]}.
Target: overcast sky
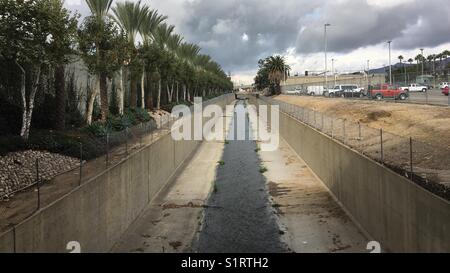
{"points": [[236, 33]]}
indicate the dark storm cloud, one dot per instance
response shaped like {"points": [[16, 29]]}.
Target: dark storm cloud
{"points": [[273, 26], [357, 24], [238, 33]]}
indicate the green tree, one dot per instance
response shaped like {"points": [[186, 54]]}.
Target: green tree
{"points": [[93, 39], [277, 69], [31, 37]]}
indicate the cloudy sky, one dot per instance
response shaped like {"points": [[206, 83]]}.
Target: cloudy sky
{"points": [[237, 33]]}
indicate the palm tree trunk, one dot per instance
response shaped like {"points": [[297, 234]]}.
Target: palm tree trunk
{"points": [[104, 96], [143, 88], [90, 108], [158, 101], [177, 93], [121, 91]]}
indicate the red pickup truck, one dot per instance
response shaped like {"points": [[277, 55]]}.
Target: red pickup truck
{"points": [[387, 91], [445, 90]]}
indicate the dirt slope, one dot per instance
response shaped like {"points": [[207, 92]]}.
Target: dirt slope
{"points": [[429, 124]]}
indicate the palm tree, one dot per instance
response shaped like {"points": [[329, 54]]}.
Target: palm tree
{"points": [[277, 68], [161, 37], [419, 58], [173, 44], [147, 31], [130, 16], [401, 58], [99, 10], [188, 52]]}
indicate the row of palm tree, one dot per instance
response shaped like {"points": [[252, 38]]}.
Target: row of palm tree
{"points": [[160, 55], [430, 58]]}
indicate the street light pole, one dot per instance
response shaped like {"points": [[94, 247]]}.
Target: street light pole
{"points": [[326, 59], [421, 50], [390, 66]]}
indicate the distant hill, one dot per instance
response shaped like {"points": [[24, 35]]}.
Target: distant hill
{"points": [[400, 65]]}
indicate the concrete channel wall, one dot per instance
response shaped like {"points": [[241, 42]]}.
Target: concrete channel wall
{"points": [[97, 213], [394, 211]]}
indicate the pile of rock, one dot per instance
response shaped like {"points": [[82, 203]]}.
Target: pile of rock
{"points": [[18, 169]]}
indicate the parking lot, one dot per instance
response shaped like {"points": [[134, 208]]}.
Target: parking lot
{"points": [[432, 97]]}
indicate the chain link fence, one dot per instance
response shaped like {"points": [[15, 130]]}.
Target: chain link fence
{"points": [[426, 164]]}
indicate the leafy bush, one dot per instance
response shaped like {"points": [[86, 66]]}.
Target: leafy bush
{"points": [[97, 129], [137, 115]]}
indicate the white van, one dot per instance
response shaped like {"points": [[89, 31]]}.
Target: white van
{"points": [[317, 90]]}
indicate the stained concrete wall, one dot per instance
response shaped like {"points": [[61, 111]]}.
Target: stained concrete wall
{"points": [[97, 213], [7, 242], [399, 214]]}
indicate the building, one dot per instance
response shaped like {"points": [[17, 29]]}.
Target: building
{"points": [[359, 79]]}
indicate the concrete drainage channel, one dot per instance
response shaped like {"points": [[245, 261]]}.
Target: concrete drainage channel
{"points": [[233, 197], [239, 217]]}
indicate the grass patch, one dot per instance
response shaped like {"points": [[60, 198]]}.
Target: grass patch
{"points": [[221, 162], [257, 150], [227, 142], [263, 170]]}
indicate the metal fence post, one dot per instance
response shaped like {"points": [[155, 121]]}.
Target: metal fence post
{"points": [[322, 122], [343, 131], [107, 149], [126, 141], [38, 185], [381, 145], [332, 136], [81, 163], [359, 131], [411, 157]]}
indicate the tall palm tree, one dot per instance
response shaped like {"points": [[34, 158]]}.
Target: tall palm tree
{"points": [[173, 44], [161, 37], [277, 68], [401, 58], [188, 52], [99, 10], [130, 16], [147, 31]]}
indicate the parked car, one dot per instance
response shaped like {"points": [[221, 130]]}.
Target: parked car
{"points": [[347, 90], [387, 91], [445, 90], [293, 92], [316, 90], [414, 87], [442, 85]]}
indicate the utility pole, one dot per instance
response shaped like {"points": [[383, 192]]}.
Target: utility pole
{"points": [[326, 59], [368, 74], [421, 50], [332, 70], [390, 66]]}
